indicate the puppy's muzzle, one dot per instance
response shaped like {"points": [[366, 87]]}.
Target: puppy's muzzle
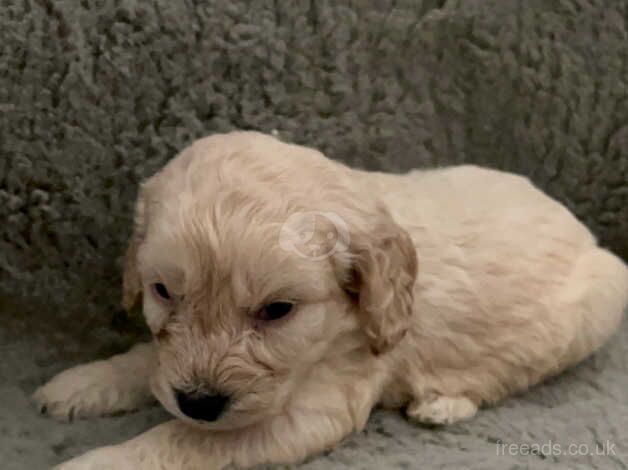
{"points": [[201, 406]]}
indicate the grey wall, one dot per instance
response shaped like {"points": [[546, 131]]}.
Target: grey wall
{"points": [[94, 96]]}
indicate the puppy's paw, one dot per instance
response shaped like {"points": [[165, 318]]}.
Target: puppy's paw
{"points": [[92, 389], [442, 410]]}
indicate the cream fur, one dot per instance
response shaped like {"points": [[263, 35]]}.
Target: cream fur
{"points": [[450, 289]]}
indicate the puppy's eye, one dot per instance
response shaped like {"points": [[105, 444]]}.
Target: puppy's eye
{"points": [[161, 291], [275, 311]]}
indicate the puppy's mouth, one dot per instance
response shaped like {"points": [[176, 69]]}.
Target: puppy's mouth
{"points": [[202, 406], [204, 410]]}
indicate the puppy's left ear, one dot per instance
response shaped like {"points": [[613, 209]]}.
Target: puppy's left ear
{"points": [[382, 269]]}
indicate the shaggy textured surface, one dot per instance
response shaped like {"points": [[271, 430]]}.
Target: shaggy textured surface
{"points": [[96, 95]]}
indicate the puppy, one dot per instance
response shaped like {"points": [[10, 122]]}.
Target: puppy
{"points": [[288, 295]]}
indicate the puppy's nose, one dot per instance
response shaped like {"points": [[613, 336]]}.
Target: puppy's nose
{"points": [[202, 406]]}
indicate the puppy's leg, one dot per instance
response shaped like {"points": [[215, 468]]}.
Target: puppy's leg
{"points": [[120, 383], [442, 410], [178, 446], [329, 415]]}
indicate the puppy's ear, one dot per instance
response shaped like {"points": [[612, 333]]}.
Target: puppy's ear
{"points": [[131, 281], [382, 271]]}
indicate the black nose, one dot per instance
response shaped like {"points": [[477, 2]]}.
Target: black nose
{"points": [[203, 406]]}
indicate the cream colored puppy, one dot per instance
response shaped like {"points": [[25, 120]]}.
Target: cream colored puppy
{"points": [[288, 295]]}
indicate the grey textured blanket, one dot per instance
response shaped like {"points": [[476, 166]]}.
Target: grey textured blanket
{"points": [[96, 95]]}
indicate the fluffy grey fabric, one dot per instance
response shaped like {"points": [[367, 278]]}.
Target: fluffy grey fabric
{"points": [[96, 95]]}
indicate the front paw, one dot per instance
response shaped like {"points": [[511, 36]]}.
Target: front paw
{"points": [[86, 390]]}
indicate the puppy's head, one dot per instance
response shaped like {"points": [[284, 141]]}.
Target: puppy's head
{"points": [[259, 262]]}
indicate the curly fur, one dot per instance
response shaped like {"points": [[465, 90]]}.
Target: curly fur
{"points": [[454, 288]]}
